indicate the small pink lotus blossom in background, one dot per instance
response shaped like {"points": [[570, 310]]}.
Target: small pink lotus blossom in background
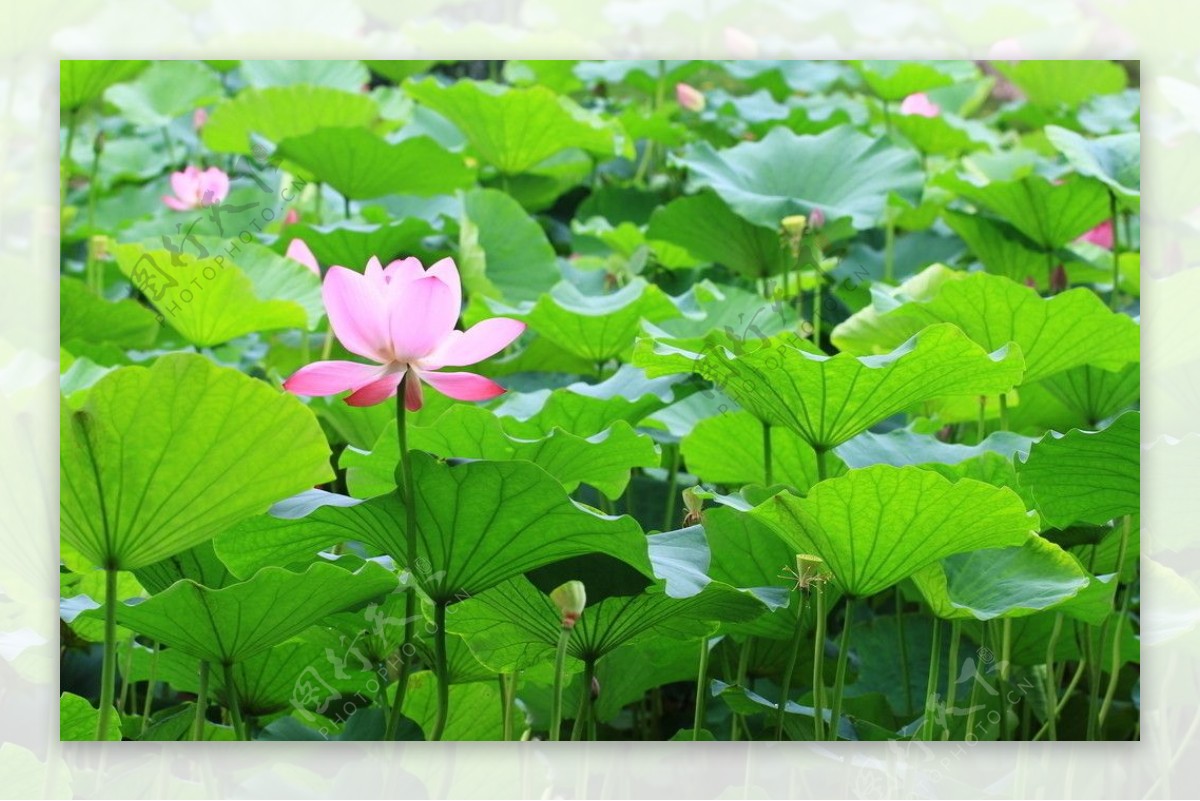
{"points": [[292, 217], [1101, 235], [920, 105], [199, 118], [298, 251], [816, 219], [689, 97], [402, 317], [194, 188]]}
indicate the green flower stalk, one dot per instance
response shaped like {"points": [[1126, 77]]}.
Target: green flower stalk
{"points": [[570, 599]]}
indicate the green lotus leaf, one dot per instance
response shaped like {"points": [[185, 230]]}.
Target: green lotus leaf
{"points": [[503, 252], [1051, 214], [827, 400], [728, 449], [1115, 161], [594, 327], [84, 315], [1000, 248], [710, 231], [81, 81], [904, 447], [79, 720], [1094, 394], [464, 544], [160, 459], [603, 460], [879, 525], [352, 245], [164, 91], [842, 172], [349, 76], [896, 80], [515, 129], [1058, 333], [1086, 476], [515, 625], [1001, 582], [209, 300], [199, 564], [281, 112], [232, 624], [360, 165], [1052, 83]]}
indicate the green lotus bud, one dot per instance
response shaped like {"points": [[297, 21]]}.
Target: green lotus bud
{"points": [[570, 599], [793, 225], [809, 570]]}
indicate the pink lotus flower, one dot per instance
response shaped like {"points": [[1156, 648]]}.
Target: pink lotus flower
{"points": [[402, 317], [816, 219], [194, 189], [921, 105], [292, 217], [298, 251], [1101, 235], [689, 97], [199, 118]]}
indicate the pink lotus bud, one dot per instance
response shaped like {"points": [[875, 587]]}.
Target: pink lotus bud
{"points": [[689, 97], [199, 117], [292, 217], [740, 44], [920, 105], [1101, 235], [816, 219], [195, 188]]}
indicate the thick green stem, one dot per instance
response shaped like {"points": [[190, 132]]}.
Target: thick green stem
{"points": [[981, 430], [123, 697], [65, 179], [1116, 251], [108, 668], [839, 679], [508, 693], [672, 488], [346, 205], [889, 246], [742, 670], [235, 705], [1005, 666], [560, 663], [932, 682], [404, 481], [317, 204], [768, 474], [1052, 677], [701, 690], [151, 679], [1115, 664], [1062, 702], [903, 642], [952, 677], [822, 468], [441, 671], [201, 703], [793, 657], [1003, 411], [583, 718], [818, 680]]}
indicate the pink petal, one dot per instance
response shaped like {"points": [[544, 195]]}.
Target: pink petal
{"points": [[447, 270], [476, 343], [184, 184], [330, 378], [1101, 235], [404, 270], [357, 313], [463, 386], [300, 252], [175, 203], [214, 185], [919, 104], [423, 312], [413, 398], [377, 391]]}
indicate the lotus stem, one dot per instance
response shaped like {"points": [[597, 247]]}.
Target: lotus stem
{"points": [[1115, 665], [952, 677], [1116, 250], [441, 670], [701, 690], [981, 430], [1005, 666], [1052, 678], [793, 657], [822, 468], [560, 663], [932, 682], [839, 681], [404, 481], [583, 718], [743, 666], [1062, 702], [818, 681], [235, 706], [672, 487], [151, 679], [903, 642], [108, 669], [201, 702], [1003, 411]]}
